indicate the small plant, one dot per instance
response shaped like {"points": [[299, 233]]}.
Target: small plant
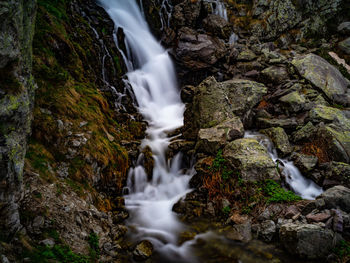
{"points": [[94, 245], [226, 210], [343, 251], [277, 194]]}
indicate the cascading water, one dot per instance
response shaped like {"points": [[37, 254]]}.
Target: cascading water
{"points": [[219, 8], [152, 77], [302, 186]]}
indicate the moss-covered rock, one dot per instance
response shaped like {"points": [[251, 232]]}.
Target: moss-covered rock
{"points": [[251, 159], [215, 102], [325, 77], [279, 138], [330, 115], [294, 101]]}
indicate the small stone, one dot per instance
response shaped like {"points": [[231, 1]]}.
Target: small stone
{"points": [[83, 123], [4, 259], [238, 219], [143, 250], [319, 217], [60, 125], [49, 242], [291, 212], [76, 143], [38, 222]]}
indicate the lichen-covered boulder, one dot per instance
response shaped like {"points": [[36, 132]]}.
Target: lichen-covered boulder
{"points": [[279, 138], [305, 163], [307, 240], [251, 159], [293, 102], [324, 76], [210, 140], [214, 102], [326, 114], [276, 74]]}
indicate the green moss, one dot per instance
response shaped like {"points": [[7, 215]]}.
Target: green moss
{"points": [[343, 251], [276, 194]]}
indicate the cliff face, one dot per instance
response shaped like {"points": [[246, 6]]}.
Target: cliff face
{"points": [[16, 99]]}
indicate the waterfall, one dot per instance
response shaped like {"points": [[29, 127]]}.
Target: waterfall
{"points": [[152, 77], [302, 186]]}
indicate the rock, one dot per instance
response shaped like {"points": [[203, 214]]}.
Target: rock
{"points": [[49, 242], [304, 133], [218, 26], [344, 28], [337, 197], [345, 46], [305, 163], [271, 212], [324, 76], [279, 138], [4, 259], [338, 172], [186, 13], [17, 88], [338, 221], [325, 114], [338, 142], [246, 55], [293, 102], [319, 217], [290, 123], [210, 140], [143, 250], [251, 159], [238, 219], [291, 212], [198, 51], [214, 102], [306, 240], [276, 74], [38, 222], [241, 232], [267, 230]]}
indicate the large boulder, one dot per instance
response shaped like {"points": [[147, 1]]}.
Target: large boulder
{"points": [[218, 26], [307, 240], [337, 197], [324, 76], [326, 114], [198, 51], [294, 101], [210, 140], [251, 159]]}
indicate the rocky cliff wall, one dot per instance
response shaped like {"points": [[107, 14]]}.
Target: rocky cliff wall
{"points": [[17, 87]]}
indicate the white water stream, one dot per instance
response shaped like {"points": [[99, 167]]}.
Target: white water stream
{"points": [[302, 186], [152, 77]]}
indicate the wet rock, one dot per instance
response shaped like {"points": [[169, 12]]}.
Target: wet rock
{"points": [[306, 240], [279, 138], [143, 250], [338, 172], [251, 159], [289, 123], [337, 197], [344, 28], [305, 163], [241, 232], [198, 51], [218, 26], [345, 46], [210, 140], [324, 76], [293, 102], [267, 230], [276, 74]]}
